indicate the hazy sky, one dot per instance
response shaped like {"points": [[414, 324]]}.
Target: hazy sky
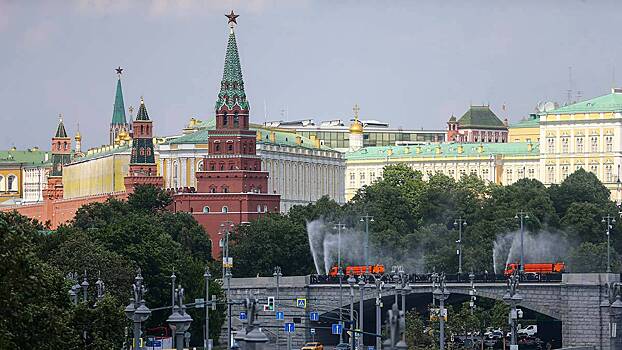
{"points": [[411, 63]]}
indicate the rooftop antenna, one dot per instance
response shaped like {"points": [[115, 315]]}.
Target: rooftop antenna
{"points": [[284, 115], [613, 76], [569, 91], [265, 111]]}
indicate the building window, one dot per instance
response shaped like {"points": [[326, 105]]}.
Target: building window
{"points": [[565, 170], [508, 176], [200, 166], [362, 178], [352, 179], [221, 243], [230, 147], [550, 145], [217, 146], [565, 143], [259, 208], [550, 174], [609, 143], [594, 169], [225, 209], [148, 151], [521, 173], [594, 144], [462, 172], [12, 183], [265, 208], [608, 173], [206, 209], [531, 173], [580, 147], [224, 119]]}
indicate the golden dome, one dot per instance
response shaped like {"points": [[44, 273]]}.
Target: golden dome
{"points": [[78, 136], [356, 127], [117, 140]]}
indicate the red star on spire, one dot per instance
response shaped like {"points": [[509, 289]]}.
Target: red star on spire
{"points": [[232, 16]]}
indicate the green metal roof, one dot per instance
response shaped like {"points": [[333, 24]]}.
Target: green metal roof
{"points": [[480, 117], [142, 111], [60, 130], [281, 137], [232, 84], [606, 103], [533, 121], [118, 112], [447, 150], [28, 157]]}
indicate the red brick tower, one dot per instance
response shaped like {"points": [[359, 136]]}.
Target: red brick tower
{"points": [[61, 155], [143, 170], [232, 187]]}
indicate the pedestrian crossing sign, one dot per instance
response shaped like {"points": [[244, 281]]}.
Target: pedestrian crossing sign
{"points": [[301, 303]]}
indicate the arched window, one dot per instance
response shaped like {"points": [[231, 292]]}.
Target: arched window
{"points": [[2, 185], [65, 146], [225, 209], [217, 146], [224, 119], [265, 208], [148, 151], [221, 243], [12, 183], [206, 209], [259, 208], [230, 147], [142, 151], [200, 166], [225, 189]]}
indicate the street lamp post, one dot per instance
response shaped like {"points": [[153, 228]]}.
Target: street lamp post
{"points": [[207, 275], [379, 284], [609, 220], [277, 276], [339, 226], [85, 287], [441, 294], [473, 296], [226, 230], [512, 297], [361, 319], [101, 287], [405, 290], [367, 219], [340, 275], [179, 320], [459, 222], [522, 216], [136, 310], [351, 281]]}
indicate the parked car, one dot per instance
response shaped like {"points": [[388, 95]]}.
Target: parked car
{"points": [[530, 330], [313, 346], [342, 346]]}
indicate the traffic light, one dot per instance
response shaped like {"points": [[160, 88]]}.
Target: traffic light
{"points": [[271, 303]]}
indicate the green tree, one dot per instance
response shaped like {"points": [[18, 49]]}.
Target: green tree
{"points": [[582, 223], [590, 257], [580, 186], [415, 332], [272, 240], [34, 310]]}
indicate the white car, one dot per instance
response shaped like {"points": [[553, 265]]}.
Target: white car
{"points": [[530, 330]]}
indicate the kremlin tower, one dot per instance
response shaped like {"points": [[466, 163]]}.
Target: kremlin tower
{"points": [[61, 155], [119, 123], [232, 187]]}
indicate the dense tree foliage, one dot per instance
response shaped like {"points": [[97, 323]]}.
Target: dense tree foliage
{"points": [[414, 217], [111, 240]]}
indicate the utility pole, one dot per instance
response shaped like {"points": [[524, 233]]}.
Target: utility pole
{"points": [[472, 293], [405, 290], [522, 216], [277, 275], [227, 265], [207, 276], [367, 219], [340, 275], [459, 222], [441, 294], [351, 281], [609, 220], [339, 226]]}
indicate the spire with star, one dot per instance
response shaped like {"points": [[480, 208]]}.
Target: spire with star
{"points": [[119, 121]]}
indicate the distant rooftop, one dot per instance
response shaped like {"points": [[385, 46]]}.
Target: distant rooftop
{"points": [[26, 157], [447, 150], [480, 117], [607, 103], [336, 124], [532, 121]]}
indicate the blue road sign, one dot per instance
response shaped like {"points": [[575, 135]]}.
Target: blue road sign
{"points": [[280, 315], [336, 328], [314, 316], [301, 303], [312, 330], [371, 348], [154, 343], [290, 327], [243, 316]]}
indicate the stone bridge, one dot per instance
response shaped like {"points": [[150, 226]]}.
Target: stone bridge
{"points": [[579, 301]]}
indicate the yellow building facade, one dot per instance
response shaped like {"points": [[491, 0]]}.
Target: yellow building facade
{"points": [[526, 130], [13, 172]]}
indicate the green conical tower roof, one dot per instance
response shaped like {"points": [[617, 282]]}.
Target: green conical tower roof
{"points": [[60, 130], [118, 113], [232, 84], [142, 111]]}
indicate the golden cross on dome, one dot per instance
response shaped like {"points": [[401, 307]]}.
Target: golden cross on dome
{"points": [[356, 110]]}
